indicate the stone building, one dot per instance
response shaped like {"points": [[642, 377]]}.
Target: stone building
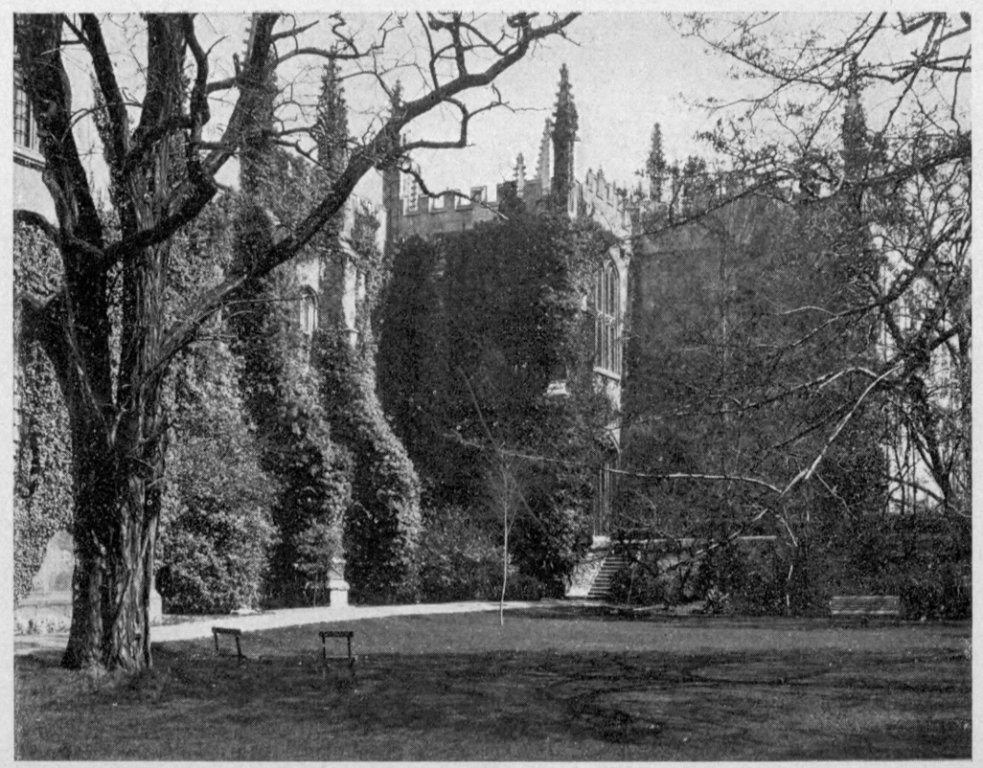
{"points": [[409, 212], [29, 190]]}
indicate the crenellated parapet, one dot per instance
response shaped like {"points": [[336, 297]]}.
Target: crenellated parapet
{"points": [[414, 213], [605, 202]]}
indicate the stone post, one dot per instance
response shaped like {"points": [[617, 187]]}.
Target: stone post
{"points": [[337, 586]]}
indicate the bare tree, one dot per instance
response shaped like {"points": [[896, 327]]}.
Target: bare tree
{"points": [[163, 168], [891, 183], [845, 337]]}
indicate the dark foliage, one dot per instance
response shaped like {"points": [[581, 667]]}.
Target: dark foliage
{"points": [[474, 328], [382, 526], [280, 392], [216, 529], [42, 479], [924, 560], [460, 557]]}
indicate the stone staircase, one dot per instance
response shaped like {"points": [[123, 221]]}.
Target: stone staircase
{"points": [[600, 588]]}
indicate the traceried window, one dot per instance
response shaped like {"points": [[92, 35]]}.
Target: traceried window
{"points": [[308, 312], [607, 328], [603, 499], [25, 132]]}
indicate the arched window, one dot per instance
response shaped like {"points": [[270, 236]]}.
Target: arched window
{"points": [[607, 328], [308, 311]]}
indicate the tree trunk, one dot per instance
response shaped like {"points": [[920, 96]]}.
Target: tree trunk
{"points": [[112, 583], [118, 467], [117, 508]]}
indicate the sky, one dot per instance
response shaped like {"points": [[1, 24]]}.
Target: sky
{"points": [[628, 71]]}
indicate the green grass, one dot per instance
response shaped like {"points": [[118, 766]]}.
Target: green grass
{"points": [[551, 684]]}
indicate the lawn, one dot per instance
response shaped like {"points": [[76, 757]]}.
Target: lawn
{"points": [[556, 683]]}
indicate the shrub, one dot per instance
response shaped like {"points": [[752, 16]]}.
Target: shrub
{"points": [[215, 531], [742, 578], [636, 585], [459, 558], [546, 546], [924, 558], [730, 577], [940, 593], [661, 575], [213, 557], [521, 586]]}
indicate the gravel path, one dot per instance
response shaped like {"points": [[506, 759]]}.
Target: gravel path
{"points": [[198, 627]]}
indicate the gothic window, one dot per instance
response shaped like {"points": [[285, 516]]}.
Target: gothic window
{"points": [[25, 132], [607, 328], [603, 499], [308, 312]]}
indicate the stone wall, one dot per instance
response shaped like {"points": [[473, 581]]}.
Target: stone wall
{"points": [[30, 193], [48, 606]]}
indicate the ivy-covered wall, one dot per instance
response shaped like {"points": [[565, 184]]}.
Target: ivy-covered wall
{"points": [[43, 480], [216, 527], [281, 394], [383, 524], [474, 328]]}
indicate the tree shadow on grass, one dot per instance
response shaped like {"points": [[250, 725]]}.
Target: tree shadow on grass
{"points": [[545, 705], [525, 705]]}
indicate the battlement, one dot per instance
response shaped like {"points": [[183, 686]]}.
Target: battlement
{"points": [[452, 211], [594, 197], [605, 202], [413, 213], [414, 203]]}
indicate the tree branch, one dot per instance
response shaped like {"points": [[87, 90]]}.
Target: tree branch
{"points": [[383, 147], [112, 97]]}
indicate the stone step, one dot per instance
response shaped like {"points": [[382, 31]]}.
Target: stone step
{"points": [[601, 586]]}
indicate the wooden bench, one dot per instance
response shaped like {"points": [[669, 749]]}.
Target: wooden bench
{"points": [[235, 633], [341, 634], [865, 607]]}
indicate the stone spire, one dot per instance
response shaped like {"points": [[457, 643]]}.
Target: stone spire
{"points": [[564, 136], [391, 200], [520, 175], [854, 133], [330, 129], [856, 154], [858, 261], [544, 164], [655, 165]]}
